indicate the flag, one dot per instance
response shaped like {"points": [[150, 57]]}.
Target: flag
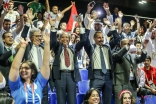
{"points": [[71, 19]]}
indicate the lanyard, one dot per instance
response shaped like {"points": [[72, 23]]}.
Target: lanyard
{"points": [[26, 93]]}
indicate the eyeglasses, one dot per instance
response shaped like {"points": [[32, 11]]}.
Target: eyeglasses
{"points": [[8, 36], [26, 68], [38, 36]]}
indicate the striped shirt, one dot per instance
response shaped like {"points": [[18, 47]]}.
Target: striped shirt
{"points": [[96, 58]]}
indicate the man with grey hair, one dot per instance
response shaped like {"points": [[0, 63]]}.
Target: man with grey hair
{"points": [[34, 52]]}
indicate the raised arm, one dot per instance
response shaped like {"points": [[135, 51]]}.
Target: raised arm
{"points": [[138, 23], [89, 8], [20, 27], [47, 6], [117, 56], [45, 69], [81, 43], [2, 18], [14, 70], [66, 9]]}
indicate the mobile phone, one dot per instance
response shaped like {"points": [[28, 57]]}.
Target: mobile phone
{"points": [[92, 3], [25, 31]]}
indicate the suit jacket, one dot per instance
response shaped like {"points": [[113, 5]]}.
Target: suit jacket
{"points": [[57, 48], [4, 57], [90, 49], [28, 49], [5, 65], [123, 64]]}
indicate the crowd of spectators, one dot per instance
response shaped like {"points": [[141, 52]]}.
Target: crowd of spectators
{"points": [[38, 51]]}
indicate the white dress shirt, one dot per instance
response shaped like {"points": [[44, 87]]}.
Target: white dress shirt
{"points": [[62, 61], [96, 57]]}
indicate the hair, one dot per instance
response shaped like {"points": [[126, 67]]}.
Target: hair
{"points": [[11, 1], [69, 35], [148, 57], [97, 33], [74, 31], [137, 43], [125, 24], [5, 98], [122, 96], [31, 32], [6, 20], [3, 35], [93, 11], [88, 94], [123, 41], [33, 68]]}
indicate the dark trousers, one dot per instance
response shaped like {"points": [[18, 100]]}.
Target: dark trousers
{"points": [[131, 86], [103, 82], [66, 87], [45, 94]]}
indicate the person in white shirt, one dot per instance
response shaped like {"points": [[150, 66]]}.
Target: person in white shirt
{"points": [[5, 24], [11, 15], [150, 37]]}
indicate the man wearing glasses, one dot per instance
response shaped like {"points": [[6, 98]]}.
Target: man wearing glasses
{"points": [[34, 52]]}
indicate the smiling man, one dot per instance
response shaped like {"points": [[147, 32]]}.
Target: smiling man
{"points": [[65, 67], [100, 68]]}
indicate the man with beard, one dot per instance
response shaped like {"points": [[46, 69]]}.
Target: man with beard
{"points": [[150, 37]]}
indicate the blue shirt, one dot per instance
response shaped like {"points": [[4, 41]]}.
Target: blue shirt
{"points": [[18, 92]]}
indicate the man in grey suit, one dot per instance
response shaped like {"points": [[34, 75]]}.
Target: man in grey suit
{"points": [[125, 73]]}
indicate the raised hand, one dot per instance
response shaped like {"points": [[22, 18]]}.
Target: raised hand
{"points": [[137, 18], [106, 21], [120, 14], [89, 6], [154, 21], [22, 41], [89, 19], [132, 22], [20, 9], [149, 21], [72, 3], [5, 10], [105, 6], [29, 12], [46, 37]]}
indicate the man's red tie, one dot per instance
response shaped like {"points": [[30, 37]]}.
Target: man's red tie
{"points": [[66, 56]]}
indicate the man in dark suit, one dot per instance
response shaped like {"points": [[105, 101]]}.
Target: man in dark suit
{"points": [[34, 52], [6, 56], [125, 72], [65, 70], [101, 66]]}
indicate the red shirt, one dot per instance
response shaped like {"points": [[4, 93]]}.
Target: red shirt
{"points": [[150, 72]]}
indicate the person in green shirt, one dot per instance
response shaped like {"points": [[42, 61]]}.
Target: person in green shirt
{"points": [[36, 6]]}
